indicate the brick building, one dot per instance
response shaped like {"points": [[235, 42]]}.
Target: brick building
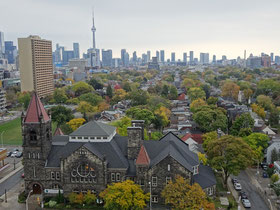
{"points": [[94, 156]]}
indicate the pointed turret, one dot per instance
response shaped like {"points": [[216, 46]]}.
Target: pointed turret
{"points": [[58, 132], [36, 112], [143, 157]]}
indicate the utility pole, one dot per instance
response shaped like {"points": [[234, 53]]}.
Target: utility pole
{"points": [[2, 138], [5, 196], [150, 195], [14, 164]]}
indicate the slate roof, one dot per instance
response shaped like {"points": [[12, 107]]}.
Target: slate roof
{"points": [[205, 178], [94, 128], [35, 111]]}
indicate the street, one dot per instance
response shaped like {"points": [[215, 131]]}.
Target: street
{"points": [[256, 200], [10, 182]]}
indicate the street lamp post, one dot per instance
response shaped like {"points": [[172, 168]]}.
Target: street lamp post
{"points": [[27, 199], [2, 138], [150, 195]]}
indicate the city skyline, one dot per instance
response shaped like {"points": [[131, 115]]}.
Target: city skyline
{"points": [[200, 27]]}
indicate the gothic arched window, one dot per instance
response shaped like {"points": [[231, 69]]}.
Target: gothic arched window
{"points": [[84, 170], [33, 136]]}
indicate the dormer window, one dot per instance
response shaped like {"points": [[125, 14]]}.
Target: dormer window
{"points": [[195, 170]]}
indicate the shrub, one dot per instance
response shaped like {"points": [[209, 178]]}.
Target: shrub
{"points": [[52, 204], [89, 198], [21, 197]]}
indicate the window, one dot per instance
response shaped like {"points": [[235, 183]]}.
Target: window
{"points": [[104, 137], [168, 179], [154, 199], [195, 170], [91, 137], [73, 137], [141, 182], [55, 186], [52, 175], [80, 137], [57, 176], [34, 155], [83, 151], [33, 136], [38, 155], [85, 137], [112, 177], [98, 138], [29, 155], [118, 177], [154, 181], [168, 167], [210, 191], [34, 172]]}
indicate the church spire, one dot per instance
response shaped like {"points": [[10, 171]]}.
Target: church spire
{"points": [[93, 29]]}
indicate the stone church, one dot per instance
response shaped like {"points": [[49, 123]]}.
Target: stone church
{"points": [[94, 156]]}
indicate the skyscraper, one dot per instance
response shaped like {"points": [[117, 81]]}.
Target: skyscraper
{"points": [[191, 58], [134, 57], [204, 58], [185, 57], [107, 57], [157, 55], [149, 55], [2, 46], [123, 52], [94, 54], [76, 49], [272, 57], [10, 52], [214, 61], [162, 56], [173, 57], [36, 66]]}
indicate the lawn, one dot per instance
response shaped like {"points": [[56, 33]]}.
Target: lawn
{"points": [[12, 134]]}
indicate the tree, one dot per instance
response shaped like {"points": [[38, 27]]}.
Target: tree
{"points": [[165, 90], [85, 107], [208, 137], [202, 158], [258, 142], [161, 117], [265, 102], [76, 123], [139, 97], [82, 87], [122, 125], [243, 121], [274, 117], [103, 106], [230, 89], [258, 110], [195, 93], [181, 195], [109, 91], [61, 115], [212, 100], [59, 96], [93, 99], [274, 178], [75, 198], [124, 195], [141, 114], [173, 94], [95, 84], [274, 155], [210, 119], [248, 93], [229, 154], [197, 104], [119, 95], [24, 99], [89, 198]]}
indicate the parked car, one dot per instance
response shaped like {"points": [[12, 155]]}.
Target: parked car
{"points": [[234, 180], [14, 154], [9, 154], [19, 154], [246, 203], [265, 167], [237, 186], [15, 150], [265, 175], [243, 195]]}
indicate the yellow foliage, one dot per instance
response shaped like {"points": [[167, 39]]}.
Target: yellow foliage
{"points": [[230, 89], [76, 123], [164, 113], [197, 103], [258, 110], [103, 106], [202, 158]]}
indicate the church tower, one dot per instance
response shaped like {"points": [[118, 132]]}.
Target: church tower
{"points": [[37, 141]]}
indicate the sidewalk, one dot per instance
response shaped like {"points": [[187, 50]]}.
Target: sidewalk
{"points": [[234, 193], [10, 172]]}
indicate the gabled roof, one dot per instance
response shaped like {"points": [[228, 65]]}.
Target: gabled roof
{"points": [[36, 111], [58, 132], [143, 157], [94, 128], [205, 178]]}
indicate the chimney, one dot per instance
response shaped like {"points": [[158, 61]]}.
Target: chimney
{"points": [[139, 123], [135, 141]]}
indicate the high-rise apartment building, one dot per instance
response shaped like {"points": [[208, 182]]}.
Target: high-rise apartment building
{"points": [[76, 49], [173, 57], [10, 52], [272, 57], [107, 56], [191, 58], [36, 66], [134, 57], [214, 61], [157, 55], [204, 58], [2, 46], [277, 60], [185, 57], [123, 52], [162, 56]]}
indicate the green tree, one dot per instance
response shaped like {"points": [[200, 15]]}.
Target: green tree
{"points": [[89, 198], [24, 99], [212, 100], [208, 137], [173, 94], [61, 115], [124, 195], [93, 99], [165, 90], [95, 84], [139, 97], [242, 122], [274, 117], [59, 96], [210, 119], [265, 102], [81, 88], [109, 91], [85, 107], [181, 195], [230, 155], [141, 114], [195, 93]]}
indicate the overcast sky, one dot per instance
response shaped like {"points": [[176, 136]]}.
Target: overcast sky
{"points": [[221, 27]]}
